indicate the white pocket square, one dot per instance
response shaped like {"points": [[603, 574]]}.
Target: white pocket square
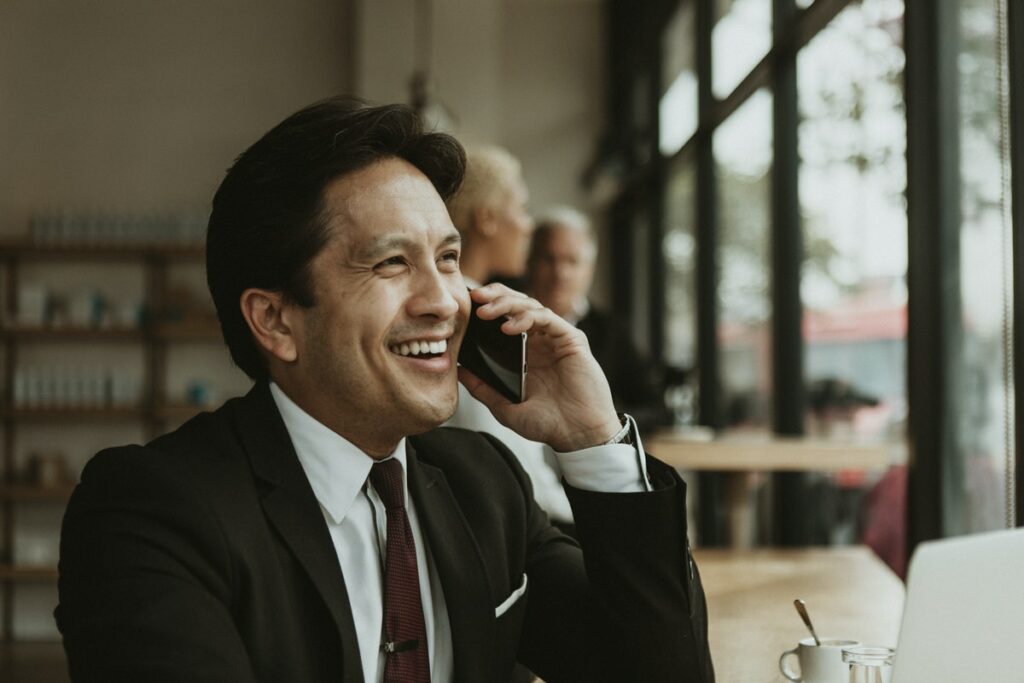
{"points": [[511, 600]]}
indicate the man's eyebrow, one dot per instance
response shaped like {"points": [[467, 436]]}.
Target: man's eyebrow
{"points": [[387, 244], [383, 245]]}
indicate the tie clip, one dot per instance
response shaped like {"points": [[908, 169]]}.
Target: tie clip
{"points": [[399, 646]]}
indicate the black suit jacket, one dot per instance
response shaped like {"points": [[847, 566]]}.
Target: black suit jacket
{"points": [[204, 556]]}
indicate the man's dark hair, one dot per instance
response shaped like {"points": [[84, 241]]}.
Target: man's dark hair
{"points": [[268, 220]]}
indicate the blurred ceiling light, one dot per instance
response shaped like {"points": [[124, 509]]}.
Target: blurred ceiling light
{"points": [[435, 114]]}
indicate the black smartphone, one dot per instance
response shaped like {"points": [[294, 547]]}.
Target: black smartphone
{"points": [[497, 358]]}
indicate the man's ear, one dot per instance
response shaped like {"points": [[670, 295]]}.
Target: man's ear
{"points": [[270, 322], [484, 221]]}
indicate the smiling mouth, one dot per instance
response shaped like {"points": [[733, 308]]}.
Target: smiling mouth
{"points": [[422, 349]]}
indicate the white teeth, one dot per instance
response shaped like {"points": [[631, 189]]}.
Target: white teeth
{"points": [[415, 348]]}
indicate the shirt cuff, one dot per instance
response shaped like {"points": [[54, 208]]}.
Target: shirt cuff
{"points": [[610, 468]]}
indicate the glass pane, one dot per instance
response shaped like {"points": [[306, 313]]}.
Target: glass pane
{"points": [[740, 39], [985, 277], [743, 155], [640, 248], [852, 182], [677, 110], [680, 249]]}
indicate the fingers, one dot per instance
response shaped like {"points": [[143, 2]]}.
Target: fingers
{"points": [[503, 301], [524, 313]]}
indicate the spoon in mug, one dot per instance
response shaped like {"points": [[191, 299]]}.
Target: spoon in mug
{"points": [[801, 609]]}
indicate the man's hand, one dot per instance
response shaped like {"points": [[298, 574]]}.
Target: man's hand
{"points": [[568, 403]]}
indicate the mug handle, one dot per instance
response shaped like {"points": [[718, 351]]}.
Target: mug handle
{"points": [[786, 671]]}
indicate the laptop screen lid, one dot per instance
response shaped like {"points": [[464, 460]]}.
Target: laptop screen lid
{"points": [[964, 615]]}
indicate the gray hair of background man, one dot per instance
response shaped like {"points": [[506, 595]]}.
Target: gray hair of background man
{"points": [[564, 218], [491, 172]]}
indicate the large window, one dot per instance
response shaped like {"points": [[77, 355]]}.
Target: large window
{"points": [[806, 226], [677, 110], [680, 249], [985, 272], [743, 157], [741, 37], [852, 141]]}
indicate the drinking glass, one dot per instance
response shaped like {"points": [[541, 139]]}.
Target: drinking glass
{"points": [[869, 664]]}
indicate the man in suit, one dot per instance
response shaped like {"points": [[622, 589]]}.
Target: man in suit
{"points": [[322, 528], [560, 270]]}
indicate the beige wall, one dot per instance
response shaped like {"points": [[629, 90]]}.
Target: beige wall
{"points": [[134, 105]]}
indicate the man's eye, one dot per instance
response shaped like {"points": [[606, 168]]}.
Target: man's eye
{"points": [[390, 263], [450, 256]]}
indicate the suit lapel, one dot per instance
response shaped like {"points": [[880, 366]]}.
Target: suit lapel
{"points": [[460, 567], [291, 507]]}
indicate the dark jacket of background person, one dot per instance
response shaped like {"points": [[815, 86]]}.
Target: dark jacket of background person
{"points": [[215, 530], [636, 382]]}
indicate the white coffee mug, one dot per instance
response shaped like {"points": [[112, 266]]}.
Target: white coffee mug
{"points": [[818, 664]]}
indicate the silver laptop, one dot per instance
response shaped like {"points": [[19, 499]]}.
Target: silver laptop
{"points": [[963, 621]]}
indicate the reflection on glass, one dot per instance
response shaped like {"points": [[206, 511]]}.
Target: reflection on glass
{"points": [[985, 406], [852, 179], [677, 109], [740, 39], [743, 155], [680, 249]]}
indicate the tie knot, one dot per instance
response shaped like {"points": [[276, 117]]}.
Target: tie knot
{"points": [[386, 477]]}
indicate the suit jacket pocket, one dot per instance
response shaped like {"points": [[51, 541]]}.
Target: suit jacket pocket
{"points": [[509, 616], [511, 599]]}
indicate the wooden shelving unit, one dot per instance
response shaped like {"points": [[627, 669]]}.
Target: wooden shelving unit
{"points": [[28, 574], [154, 410]]}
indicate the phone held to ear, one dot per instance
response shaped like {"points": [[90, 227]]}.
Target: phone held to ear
{"points": [[497, 358]]}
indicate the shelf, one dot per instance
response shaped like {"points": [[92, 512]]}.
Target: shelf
{"points": [[172, 332], [16, 573], [207, 330], [100, 252], [45, 414], [33, 492], [71, 334]]}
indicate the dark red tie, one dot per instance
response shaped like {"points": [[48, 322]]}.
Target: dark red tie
{"points": [[405, 636]]}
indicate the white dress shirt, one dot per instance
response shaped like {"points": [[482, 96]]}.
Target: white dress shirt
{"points": [[337, 471]]}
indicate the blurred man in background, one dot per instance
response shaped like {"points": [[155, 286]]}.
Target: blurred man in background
{"points": [[489, 211], [560, 270]]}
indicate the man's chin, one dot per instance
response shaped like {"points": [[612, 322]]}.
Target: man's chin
{"points": [[431, 414]]}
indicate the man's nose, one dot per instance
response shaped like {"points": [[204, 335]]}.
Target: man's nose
{"points": [[434, 296]]}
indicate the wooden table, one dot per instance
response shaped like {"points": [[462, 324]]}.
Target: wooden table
{"points": [[686, 449], [849, 592], [740, 455]]}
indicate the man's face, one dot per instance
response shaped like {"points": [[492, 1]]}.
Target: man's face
{"points": [[376, 353], [512, 237], [562, 269]]}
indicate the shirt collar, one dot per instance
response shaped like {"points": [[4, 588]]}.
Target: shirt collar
{"points": [[580, 309], [335, 467]]}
